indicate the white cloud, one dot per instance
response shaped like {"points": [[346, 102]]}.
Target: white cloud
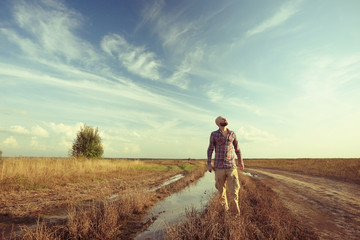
{"points": [[135, 59], [69, 131], [19, 129], [281, 16], [35, 131], [10, 142], [39, 131]]}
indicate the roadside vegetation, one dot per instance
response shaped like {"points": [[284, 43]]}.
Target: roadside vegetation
{"points": [[346, 169]]}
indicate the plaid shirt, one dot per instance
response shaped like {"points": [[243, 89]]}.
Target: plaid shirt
{"points": [[224, 149]]}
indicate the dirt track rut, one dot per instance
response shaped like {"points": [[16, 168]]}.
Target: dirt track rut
{"points": [[331, 207]]}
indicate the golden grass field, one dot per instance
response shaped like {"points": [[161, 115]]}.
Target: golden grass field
{"points": [[34, 187], [347, 169], [35, 173]]}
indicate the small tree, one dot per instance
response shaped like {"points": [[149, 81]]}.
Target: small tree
{"points": [[87, 143]]}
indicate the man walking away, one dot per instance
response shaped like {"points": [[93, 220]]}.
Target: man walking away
{"points": [[225, 144]]}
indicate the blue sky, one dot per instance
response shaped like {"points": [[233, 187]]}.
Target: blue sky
{"points": [[154, 75]]}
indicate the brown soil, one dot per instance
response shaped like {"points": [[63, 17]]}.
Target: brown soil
{"points": [[329, 206]]}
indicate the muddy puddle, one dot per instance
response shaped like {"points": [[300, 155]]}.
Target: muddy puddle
{"points": [[171, 180], [250, 174], [172, 209]]}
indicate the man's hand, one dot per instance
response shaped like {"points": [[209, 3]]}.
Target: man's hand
{"points": [[241, 165], [210, 168]]}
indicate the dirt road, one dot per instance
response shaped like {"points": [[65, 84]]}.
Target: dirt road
{"points": [[331, 207]]}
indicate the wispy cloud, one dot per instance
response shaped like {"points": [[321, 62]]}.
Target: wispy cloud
{"points": [[183, 36], [323, 75], [130, 97], [215, 93], [50, 31], [181, 76], [136, 60], [281, 16], [151, 12], [49, 36], [172, 30]]}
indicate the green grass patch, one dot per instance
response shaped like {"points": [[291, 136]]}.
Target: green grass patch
{"points": [[152, 167], [188, 168], [174, 168]]}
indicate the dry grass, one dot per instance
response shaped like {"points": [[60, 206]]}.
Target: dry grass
{"points": [[96, 220], [35, 173], [263, 216], [100, 218], [342, 169], [107, 220]]}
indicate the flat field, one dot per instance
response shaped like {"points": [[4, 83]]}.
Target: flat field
{"points": [[35, 194], [33, 189], [346, 169]]}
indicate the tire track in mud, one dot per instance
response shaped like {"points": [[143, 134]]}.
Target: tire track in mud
{"points": [[329, 206]]}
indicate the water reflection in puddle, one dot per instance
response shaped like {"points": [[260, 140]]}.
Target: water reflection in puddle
{"points": [[175, 178], [250, 174], [172, 209], [171, 180]]}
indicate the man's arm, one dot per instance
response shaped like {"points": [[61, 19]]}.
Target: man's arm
{"points": [[238, 153], [209, 153]]}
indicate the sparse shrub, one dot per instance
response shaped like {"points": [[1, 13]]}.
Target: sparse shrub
{"points": [[87, 143]]}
